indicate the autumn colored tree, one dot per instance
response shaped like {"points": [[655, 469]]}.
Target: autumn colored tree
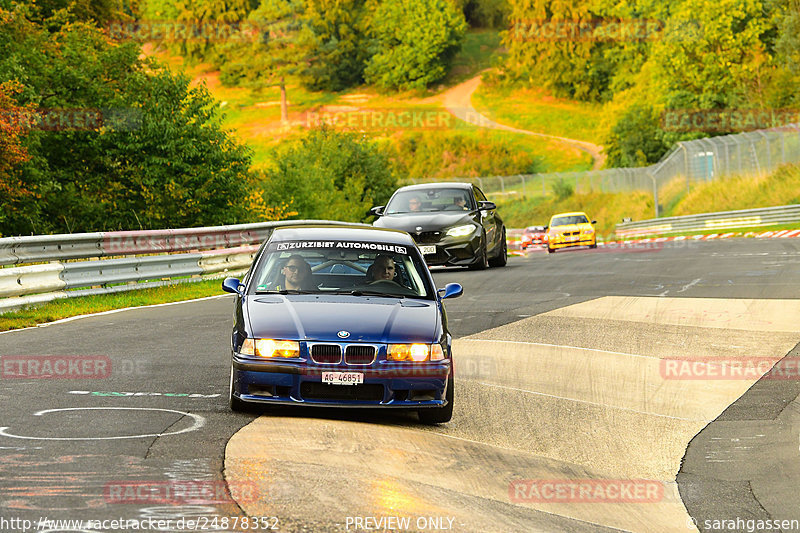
{"points": [[12, 153]]}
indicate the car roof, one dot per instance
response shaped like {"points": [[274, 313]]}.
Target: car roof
{"points": [[571, 213], [436, 185], [340, 232]]}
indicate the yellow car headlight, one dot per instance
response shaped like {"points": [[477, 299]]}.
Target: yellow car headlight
{"points": [[416, 353], [588, 231], [270, 348]]}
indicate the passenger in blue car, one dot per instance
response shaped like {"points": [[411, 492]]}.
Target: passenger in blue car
{"points": [[381, 269], [296, 274]]}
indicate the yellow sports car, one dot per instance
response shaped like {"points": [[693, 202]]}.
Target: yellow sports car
{"points": [[570, 229]]}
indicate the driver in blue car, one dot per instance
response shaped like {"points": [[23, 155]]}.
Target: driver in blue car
{"points": [[296, 274], [381, 269]]}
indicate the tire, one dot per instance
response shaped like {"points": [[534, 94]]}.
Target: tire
{"points": [[236, 405], [502, 257], [483, 260], [550, 250], [593, 245], [439, 415]]}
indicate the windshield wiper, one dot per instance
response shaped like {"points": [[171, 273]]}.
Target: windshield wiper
{"points": [[359, 292], [287, 291]]}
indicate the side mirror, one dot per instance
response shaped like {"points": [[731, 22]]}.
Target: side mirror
{"points": [[232, 285], [546, 228], [594, 222], [451, 290], [485, 205], [376, 211]]}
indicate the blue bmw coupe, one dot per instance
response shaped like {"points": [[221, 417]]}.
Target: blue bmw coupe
{"points": [[341, 316]]}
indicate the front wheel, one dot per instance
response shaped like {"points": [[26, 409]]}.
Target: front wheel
{"points": [[439, 415], [236, 405], [482, 262], [502, 257], [550, 250]]}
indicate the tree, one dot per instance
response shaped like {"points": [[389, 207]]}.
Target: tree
{"points": [[152, 154], [413, 42], [281, 47], [330, 175], [12, 153]]}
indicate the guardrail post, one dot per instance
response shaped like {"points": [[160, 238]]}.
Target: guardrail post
{"points": [[655, 191], [685, 164]]}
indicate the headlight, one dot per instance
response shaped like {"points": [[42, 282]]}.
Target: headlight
{"points": [[588, 231], [415, 352], [270, 348], [461, 231]]}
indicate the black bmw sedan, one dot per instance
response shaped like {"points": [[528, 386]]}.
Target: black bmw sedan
{"points": [[453, 224]]}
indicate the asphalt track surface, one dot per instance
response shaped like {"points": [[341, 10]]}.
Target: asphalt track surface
{"points": [[559, 376]]}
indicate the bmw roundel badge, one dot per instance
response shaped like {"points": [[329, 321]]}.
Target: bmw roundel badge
{"points": [[343, 334]]}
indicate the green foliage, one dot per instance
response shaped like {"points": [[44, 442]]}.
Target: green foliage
{"points": [[158, 158], [436, 155], [636, 138], [562, 189], [329, 175], [486, 13], [319, 42], [413, 42]]}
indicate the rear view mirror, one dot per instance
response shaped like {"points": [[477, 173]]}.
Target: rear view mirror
{"points": [[376, 211], [485, 205], [451, 290], [232, 285]]}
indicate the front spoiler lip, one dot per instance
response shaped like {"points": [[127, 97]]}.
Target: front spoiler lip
{"points": [[341, 404]]}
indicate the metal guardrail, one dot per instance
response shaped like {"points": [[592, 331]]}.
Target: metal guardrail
{"points": [[725, 220], [38, 248], [21, 286]]}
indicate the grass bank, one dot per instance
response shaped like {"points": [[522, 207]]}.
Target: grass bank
{"points": [[781, 187], [85, 305]]}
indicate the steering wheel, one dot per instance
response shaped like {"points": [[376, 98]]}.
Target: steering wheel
{"points": [[391, 286], [385, 282]]}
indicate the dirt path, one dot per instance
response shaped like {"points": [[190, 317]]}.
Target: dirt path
{"points": [[458, 101]]}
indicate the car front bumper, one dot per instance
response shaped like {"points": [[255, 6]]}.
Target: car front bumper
{"points": [[386, 384], [452, 251], [560, 243]]}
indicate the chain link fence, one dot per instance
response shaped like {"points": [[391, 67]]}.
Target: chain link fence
{"points": [[701, 160]]}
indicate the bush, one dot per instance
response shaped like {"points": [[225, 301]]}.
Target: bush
{"points": [[446, 155], [561, 189], [329, 175]]}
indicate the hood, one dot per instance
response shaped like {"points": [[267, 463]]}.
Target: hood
{"points": [[570, 227], [321, 317], [436, 221]]}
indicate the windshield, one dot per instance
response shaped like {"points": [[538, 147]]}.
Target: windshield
{"points": [[571, 219], [341, 267], [430, 200]]}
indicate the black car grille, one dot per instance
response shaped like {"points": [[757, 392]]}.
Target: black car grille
{"points": [[571, 233], [359, 355], [322, 391], [326, 354], [427, 237]]}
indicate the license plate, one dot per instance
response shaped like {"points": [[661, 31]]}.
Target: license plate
{"points": [[427, 250], [343, 378], [572, 239]]}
